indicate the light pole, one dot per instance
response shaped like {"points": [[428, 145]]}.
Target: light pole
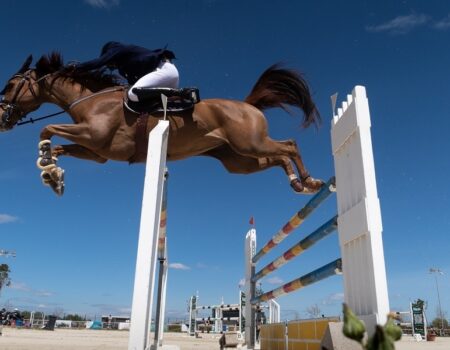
{"points": [[437, 271]]}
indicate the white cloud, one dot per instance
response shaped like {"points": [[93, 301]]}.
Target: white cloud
{"points": [[103, 3], [179, 266], [274, 280], [443, 24], [401, 24], [241, 282], [5, 218]]}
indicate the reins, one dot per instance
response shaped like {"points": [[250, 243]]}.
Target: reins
{"points": [[73, 104], [31, 120]]}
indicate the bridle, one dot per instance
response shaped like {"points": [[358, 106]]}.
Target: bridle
{"points": [[11, 106]]}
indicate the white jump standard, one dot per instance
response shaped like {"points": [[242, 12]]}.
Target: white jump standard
{"points": [[148, 245], [358, 223]]}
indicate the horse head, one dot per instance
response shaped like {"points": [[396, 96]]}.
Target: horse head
{"points": [[19, 96]]}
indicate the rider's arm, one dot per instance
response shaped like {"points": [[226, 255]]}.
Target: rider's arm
{"points": [[107, 58]]}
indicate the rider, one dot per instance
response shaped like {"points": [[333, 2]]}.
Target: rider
{"points": [[140, 66]]}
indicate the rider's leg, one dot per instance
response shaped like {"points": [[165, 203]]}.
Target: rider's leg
{"points": [[166, 76]]}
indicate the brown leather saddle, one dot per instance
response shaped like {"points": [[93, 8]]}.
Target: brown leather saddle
{"points": [[150, 99]]}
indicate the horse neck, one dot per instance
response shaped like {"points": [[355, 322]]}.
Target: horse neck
{"points": [[63, 91]]}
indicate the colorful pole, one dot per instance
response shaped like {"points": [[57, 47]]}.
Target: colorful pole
{"points": [[297, 249], [321, 273], [163, 221], [298, 218], [162, 258]]}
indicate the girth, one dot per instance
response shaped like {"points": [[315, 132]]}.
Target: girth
{"points": [[140, 139]]}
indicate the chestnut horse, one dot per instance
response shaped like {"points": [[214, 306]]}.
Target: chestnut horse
{"points": [[233, 132]]}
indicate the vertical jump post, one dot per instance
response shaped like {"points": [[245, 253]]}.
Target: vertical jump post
{"points": [[147, 252], [359, 214]]}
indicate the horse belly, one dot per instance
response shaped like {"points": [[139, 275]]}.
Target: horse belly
{"points": [[189, 145]]}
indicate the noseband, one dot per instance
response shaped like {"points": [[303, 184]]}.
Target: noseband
{"points": [[11, 106]]}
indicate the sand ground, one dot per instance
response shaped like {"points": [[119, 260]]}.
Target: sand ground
{"points": [[84, 339]]}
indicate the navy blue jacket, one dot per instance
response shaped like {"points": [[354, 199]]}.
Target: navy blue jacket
{"points": [[132, 61]]}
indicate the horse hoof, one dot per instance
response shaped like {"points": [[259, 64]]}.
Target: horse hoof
{"points": [[312, 185], [297, 186], [58, 188], [55, 180], [46, 178], [59, 182]]}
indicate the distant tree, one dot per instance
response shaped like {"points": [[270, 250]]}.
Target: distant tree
{"points": [[437, 324], [313, 311], [26, 314], [58, 312], [74, 317], [5, 281], [437, 321]]}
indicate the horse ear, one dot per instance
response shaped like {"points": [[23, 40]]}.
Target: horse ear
{"points": [[26, 64]]}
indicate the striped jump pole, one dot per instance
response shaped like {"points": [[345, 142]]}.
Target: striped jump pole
{"points": [[333, 268], [298, 218], [163, 267], [251, 257], [163, 221], [322, 232]]}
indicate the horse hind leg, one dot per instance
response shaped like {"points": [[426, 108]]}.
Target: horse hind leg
{"points": [[240, 164], [281, 153], [310, 184]]}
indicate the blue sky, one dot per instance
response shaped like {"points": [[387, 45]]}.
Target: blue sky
{"points": [[77, 253]]}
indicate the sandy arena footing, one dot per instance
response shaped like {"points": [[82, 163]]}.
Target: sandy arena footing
{"points": [[85, 339]]}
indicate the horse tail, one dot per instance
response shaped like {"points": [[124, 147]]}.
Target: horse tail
{"points": [[281, 87]]}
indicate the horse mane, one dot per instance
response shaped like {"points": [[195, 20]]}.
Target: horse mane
{"points": [[92, 80]]}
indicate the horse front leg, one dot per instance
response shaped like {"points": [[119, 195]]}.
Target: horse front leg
{"points": [[52, 175], [77, 151]]}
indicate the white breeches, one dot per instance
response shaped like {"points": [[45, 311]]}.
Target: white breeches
{"points": [[166, 76]]}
